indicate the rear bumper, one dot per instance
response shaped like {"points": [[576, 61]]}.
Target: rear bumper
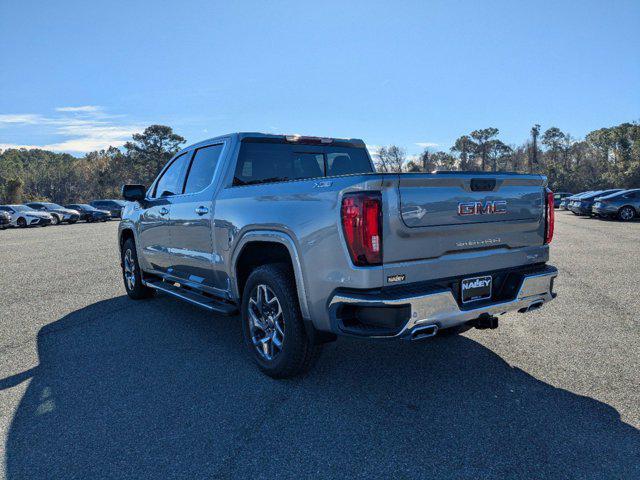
{"points": [[441, 309], [580, 210], [605, 210]]}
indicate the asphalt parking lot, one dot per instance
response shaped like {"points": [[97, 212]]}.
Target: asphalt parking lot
{"points": [[95, 385]]}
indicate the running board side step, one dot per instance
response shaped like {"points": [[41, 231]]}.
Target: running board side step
{"points": [[193, 297]]}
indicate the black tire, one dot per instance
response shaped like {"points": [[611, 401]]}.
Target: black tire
{"points": [[297, 353], [135, 289], [55, 220], [626, 214], [22, 223]]}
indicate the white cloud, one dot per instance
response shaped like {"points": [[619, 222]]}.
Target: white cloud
{"points": [[92, 137], [21, 118], [83, 129], [427, 144], [82, 108], [7, 146]]}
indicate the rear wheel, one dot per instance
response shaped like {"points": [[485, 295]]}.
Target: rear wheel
{"points": [[626, 213], [21, 222], [272, 325], [55, 220], [132, 274]]}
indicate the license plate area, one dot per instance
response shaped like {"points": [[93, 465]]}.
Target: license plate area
{"points": [[476, 288]]}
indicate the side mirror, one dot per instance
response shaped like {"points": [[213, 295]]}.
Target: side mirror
{"points": [[134, 193]]}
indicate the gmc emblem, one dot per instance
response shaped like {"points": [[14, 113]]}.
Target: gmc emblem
{"points": [[478, 208]]}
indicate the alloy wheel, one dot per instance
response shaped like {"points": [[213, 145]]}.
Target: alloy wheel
{"points": [[129, 270], [266, 322], [626, 214]]}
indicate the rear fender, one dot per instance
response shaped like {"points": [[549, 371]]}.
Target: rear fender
{"points": [[276, 237]]}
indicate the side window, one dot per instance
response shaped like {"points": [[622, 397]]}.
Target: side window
{"points": [[202, 168], [172, 180]]}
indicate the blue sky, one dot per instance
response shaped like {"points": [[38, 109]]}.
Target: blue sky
{"points": [[76, 76]]}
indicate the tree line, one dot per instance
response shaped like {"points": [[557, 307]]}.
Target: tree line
{"points": [[605, 158], [41, 175], [608, 157]]}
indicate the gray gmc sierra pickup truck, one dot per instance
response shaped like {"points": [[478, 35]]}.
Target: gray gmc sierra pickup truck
{"points": [[306, 241]]}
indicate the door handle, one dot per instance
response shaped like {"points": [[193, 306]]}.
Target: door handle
{"points": [[164, 211], [202, 210]]}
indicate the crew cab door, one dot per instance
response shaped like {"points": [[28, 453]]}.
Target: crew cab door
{"points": [[192, 244], [154, 231]]}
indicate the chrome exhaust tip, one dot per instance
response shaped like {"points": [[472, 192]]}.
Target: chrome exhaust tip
{"points": [[424, 331]]}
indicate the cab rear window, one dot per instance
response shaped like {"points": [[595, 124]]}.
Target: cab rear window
{"points": [[265, 162]]}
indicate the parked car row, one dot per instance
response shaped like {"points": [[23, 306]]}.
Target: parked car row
{"points": [[48, 213], [616, 203]]}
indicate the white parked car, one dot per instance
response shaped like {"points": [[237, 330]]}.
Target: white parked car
{"points": [[23, 216]]}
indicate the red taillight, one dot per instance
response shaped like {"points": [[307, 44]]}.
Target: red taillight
{"points": [[362, 226], [549, 217]]}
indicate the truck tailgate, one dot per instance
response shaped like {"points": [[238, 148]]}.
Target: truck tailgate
{"points": [[431, 215]]}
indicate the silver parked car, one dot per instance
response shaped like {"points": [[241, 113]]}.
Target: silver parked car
{"points": [[58, 213], [23, 216]]}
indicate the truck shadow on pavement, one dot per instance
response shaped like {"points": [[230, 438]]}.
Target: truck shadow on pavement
{"points": [[157, 389]]}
